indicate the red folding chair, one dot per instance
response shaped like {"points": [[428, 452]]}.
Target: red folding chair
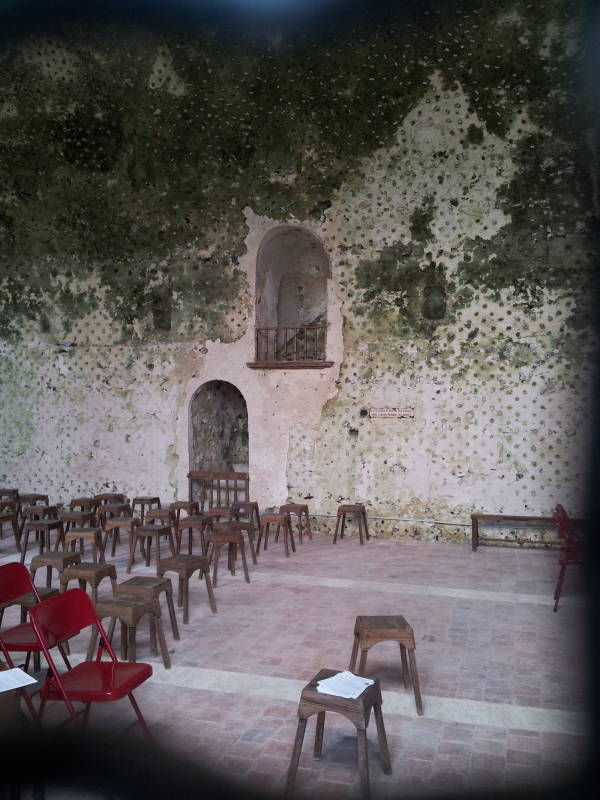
{"points": [[15, 581], [569, 551], [58, 619]]}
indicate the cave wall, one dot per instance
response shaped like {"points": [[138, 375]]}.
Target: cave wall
{"points": [[447, 163]]}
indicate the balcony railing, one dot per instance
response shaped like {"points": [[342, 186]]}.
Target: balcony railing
{"points": [[291, 347]]}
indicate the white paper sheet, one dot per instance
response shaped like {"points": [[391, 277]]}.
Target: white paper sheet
{"points": [[14, 679], [344, 684]]}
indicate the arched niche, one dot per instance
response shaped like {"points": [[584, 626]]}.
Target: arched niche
{"points": [[219, 428], [292, 268]]}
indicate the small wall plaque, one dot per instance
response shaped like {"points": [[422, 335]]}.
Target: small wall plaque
{"points": [[391, 413]]}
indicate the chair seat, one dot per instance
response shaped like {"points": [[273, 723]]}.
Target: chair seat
{"points": [[101, 681], [21, 638], [381, 625]]}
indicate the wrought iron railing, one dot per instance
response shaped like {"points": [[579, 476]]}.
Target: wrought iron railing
{"points": [[291, 343]]}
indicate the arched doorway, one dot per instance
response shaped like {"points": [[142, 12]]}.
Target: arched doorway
{"points": [[219, 428]]}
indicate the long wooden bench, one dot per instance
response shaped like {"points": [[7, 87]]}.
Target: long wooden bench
{"points": [[540, 522]]}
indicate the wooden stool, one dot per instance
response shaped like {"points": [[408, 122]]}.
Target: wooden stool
{"points": [[228, 534], [27, 601], [33, 499], [10, 516], [83, 504], [300, 509], [142, 502], [57, 561], [194, 522], [81, 535], [109, 497], [359, 512], [151, 533], [177, 506], [372, 630], [281, 520], [80, 519], [112, 528], [249, 510], [145, 587], [129, 611], [43, 527], [357, 711], [218, 513], [93, 574], [185, 566], [111, 510]]}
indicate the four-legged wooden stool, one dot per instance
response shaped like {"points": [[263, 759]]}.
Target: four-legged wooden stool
{"points": [[82, 535], [129, 611], [372, 630], [185, 566], [357, 711], [282, 521], [230, 534], [359, 512], [301, 510], [148, 588], [93, 574], [144, 502], [247, 510], [58, 561]]}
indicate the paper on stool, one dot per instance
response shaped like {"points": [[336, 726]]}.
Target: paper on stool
{"points": [[344, 684]]}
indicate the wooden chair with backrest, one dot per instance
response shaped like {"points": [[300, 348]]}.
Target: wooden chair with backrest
{"points": [[58, 619], [570, 551]]}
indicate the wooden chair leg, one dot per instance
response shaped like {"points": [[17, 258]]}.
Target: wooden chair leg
{"points": [[363, 762], [319, 734], [293, 768], [131, 635], [383, 744], [216, 554], [337, 525]]}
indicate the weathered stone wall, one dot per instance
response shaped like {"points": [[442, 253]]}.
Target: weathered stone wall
{"points": [[445, 161]]}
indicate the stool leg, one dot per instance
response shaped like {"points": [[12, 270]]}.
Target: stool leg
{"points": [[266, 541], [24, 550], [354, 654], [259, 539], [152, 627], [293, 768], [290, 531], [48, 577], [319, 734], [180, 591], [343, 526], [123, 642], [211, 595], [132, 547], [405, 667], [131, 632], [285, 540], [364, 516], [172, 616], [111, 628], [363, 662], [360, 530], [244, 562], [415, 681], [113, 549], [161, 641], [148, 549], [363, 762], [231, 557], [92, 643], [308, 527], [337, 525], [252, 550], [383, 745], [216, 554], [185, 587], [300, 527]]}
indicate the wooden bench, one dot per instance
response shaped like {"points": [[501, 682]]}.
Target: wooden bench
{"points": [[506, 519]]}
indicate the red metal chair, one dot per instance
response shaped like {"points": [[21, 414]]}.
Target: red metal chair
{"points": [[569, 551], [58, 619], [15, 584]]}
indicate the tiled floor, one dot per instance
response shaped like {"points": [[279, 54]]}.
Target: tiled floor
{"points": [[503, 678]]}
